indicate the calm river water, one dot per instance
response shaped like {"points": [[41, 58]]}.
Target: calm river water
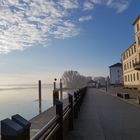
{"points": [[23, 99]]}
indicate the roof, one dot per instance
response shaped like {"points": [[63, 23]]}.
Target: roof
{"points": [[116, 65], [129, 47], [138, 17]]}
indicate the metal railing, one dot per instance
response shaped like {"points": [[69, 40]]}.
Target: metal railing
{"points": [[19, 127], [49, 127]]}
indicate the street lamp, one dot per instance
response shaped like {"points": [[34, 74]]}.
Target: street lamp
{"points": [[61, 90], [55, 83]]}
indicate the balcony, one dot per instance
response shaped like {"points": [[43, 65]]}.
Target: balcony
{"points": [[137, 66]]}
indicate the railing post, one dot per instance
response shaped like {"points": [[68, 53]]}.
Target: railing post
{"points": [[55, 96], [78, 99], [10, 130], [71, 126], [75, 106], [39, 91], [59, 112], [25, 124]]}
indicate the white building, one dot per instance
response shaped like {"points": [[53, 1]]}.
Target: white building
{"points": [[116, 76]]}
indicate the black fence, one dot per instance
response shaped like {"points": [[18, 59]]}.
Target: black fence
{"points": [[18, 128]]}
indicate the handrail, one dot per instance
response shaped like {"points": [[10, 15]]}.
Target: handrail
{"points": [[41, 132], [53, 129], [51, 134], [52, 123], [66, 109], [66, 114]]}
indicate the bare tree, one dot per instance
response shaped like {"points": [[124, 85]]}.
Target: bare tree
{"points": [[73, 79]]}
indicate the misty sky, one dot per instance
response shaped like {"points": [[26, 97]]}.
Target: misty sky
{"points": [[40, 39]]}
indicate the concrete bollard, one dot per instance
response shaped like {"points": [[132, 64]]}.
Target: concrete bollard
{"points": [[10, 130], [59, 112], [25, 124]]}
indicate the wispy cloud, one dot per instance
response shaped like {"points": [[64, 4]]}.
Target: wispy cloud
{"points": [[69, 4], [119, 5], [96, 1], [85, 18], [88, 5], [26, 23], [68, 29]]}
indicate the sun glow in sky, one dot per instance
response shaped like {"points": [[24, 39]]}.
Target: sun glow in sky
{"points": [[40, 39]]}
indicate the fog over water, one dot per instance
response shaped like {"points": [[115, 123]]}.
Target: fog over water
{"points": [[23, 99]]}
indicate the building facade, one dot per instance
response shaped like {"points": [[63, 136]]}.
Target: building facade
{"points": [[116, 76], [131, 60]]}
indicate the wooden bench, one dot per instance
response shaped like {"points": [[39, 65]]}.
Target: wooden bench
{"points": [[123, 95]]}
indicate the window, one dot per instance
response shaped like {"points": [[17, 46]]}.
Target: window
{"points": [[138, 27], [139, 40], [132, 62], [128, 78], [131, 77], [134, 76], [124, 66], [129, 52], [126, 54], [135, 60], [125, 78], [127, 66], [134, 48], [137, 76], [130, 65], [139, 57]]}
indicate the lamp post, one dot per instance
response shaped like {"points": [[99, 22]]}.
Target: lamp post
{"points": [[61, 90], [54, 83]]}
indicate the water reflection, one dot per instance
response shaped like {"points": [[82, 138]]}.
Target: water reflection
{"points": [[24, 101]]}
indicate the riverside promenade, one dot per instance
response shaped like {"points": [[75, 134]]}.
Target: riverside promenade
{"points": [[106, 117]]}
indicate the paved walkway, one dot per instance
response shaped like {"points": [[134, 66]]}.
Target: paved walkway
{"points": [[104, 117]]}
